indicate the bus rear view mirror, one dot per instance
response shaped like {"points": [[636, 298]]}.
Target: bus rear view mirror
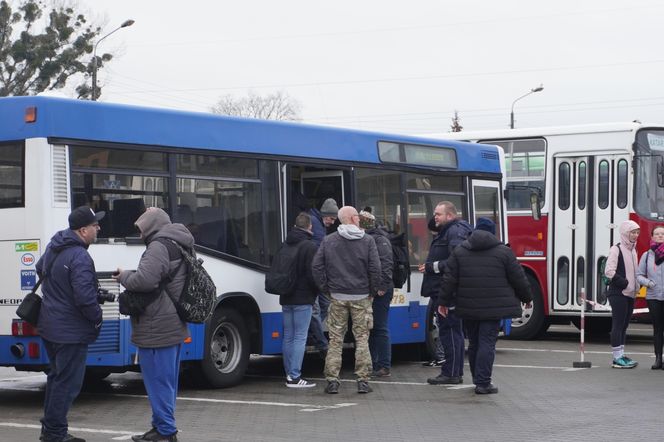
{"points": [[535, 208]]}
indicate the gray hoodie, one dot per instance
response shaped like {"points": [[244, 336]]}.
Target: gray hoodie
{"points": [[160, 325], [347, 262]]}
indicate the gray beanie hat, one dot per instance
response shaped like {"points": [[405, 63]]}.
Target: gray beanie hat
{"points": [[329, 208]]}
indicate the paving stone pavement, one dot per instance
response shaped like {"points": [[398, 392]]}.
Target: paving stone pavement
{"points": [[541, 398]]}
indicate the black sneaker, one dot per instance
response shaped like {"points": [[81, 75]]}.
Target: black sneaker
{"points": [[486, 389], [444, 380], [434, 363], [154, 436], [332, 387], [298, 383], [363, 387], [145, 436]]}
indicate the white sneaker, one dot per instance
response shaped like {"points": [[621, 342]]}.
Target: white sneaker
{"points": [[298, 383]]}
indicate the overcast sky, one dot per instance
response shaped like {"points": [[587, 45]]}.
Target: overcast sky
{"points": [[393, 65]]}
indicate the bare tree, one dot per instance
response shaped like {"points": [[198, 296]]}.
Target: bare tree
{"points": [[456, 123], [277, 106]]}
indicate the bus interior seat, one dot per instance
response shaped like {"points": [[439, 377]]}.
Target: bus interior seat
{"points": [[125, 213], [183, 214], [215, 230]]}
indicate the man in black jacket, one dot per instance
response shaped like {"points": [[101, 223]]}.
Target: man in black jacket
{"points": [[346, 268], [452, 231], [485, 283], [297, 306]]}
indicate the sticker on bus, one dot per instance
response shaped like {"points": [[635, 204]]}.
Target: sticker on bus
{"points": [[28, 279], [26, 247], [28, 259]]}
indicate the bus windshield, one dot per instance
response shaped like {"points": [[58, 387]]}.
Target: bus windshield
{"points": [[649, 174]]}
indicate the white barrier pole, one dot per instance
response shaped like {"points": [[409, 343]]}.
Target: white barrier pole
{"points": [[582, 363]]}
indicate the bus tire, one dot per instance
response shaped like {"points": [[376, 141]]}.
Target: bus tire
{"points": [[226, 350], [532, 322]]}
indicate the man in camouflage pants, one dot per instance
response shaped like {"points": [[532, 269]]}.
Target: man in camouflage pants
{"points": [[346, 268]]}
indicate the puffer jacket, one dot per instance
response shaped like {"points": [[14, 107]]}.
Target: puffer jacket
{"points": [[651, 275], [484, 280], [449, 236], [70, 312], [160, 325]]}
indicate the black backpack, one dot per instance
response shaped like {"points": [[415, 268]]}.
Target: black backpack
{"points": [[400, 261], [196, 302], [281, 279]]}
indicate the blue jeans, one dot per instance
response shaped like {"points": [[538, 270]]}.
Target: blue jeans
{"points": [[316, 331], [482, 337], [161, 370], [450, 330], [296, 323], [380, 345], [63, 384]]}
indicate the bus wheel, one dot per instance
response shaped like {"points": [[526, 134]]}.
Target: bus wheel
{"points": [[532, 322], [226, 350]]}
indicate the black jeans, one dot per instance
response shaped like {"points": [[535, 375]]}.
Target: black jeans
{"points": [[657, 314], [63, 383], [621, 311], [482, 337]]}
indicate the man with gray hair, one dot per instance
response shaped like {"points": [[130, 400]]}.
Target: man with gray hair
{"points": [[347, 269]]}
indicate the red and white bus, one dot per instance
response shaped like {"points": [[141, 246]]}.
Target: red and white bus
{"points": [[585, 180]]}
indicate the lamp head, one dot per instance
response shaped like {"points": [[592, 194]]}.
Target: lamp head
{"points": [[538, 88], [127, 23]]}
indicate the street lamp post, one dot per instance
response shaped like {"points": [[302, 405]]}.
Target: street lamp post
{"points": [[94, 57], [532, 91]]}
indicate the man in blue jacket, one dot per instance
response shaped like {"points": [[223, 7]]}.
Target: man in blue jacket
{"points": [[70, 317], [452, 231]]}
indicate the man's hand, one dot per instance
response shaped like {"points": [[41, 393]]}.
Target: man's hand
{"points": [[421, 268], [380, 292], [116, 274], [442, 310], [529, 304]]}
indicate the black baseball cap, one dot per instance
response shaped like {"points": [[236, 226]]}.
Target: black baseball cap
{"points": [[84, 216]]}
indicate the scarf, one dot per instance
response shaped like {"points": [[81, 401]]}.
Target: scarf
{"points": [[658, 250]]}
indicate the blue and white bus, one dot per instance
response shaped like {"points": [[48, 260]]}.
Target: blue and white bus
{"points": [[231, 181]]}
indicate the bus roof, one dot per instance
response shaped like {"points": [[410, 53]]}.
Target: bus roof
{"points": [[545, 131], [116, 123]]}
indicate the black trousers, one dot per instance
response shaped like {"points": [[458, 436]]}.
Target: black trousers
{"points": [[482, 337], [657, 314], [621, 311]]}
